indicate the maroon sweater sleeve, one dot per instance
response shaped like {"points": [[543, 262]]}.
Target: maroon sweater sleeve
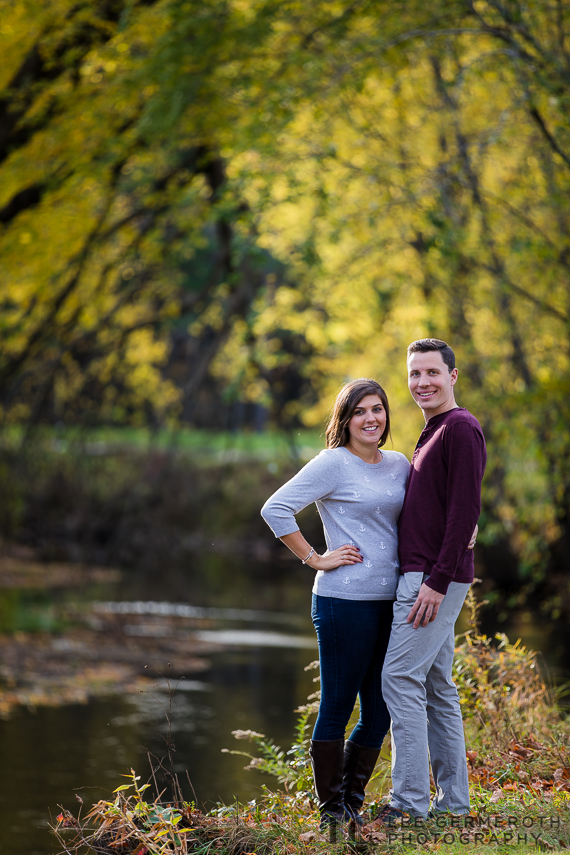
{"points": [[465, 453]]}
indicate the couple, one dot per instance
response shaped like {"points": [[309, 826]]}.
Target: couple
{"points": [[389, 588]]}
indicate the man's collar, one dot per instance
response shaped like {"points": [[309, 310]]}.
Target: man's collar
{"points": [[433, 420]]}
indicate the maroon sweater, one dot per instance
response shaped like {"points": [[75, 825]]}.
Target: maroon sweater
{"points": [[443, 500]]}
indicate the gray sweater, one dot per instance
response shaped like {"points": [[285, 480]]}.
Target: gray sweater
{"points": [[358, 503]]}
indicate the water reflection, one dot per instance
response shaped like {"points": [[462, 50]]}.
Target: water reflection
{"points": [[255, 681], [187, 611], [53, 752]]}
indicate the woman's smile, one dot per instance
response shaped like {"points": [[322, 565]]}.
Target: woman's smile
{"points": [[367, 423]]}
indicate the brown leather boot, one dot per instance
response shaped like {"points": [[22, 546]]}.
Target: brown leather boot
{"points": [[327, 756], [359, 763]]}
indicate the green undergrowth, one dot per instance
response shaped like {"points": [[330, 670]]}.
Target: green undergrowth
{"points": [[267, 444], [518, 750], [110, 501]]}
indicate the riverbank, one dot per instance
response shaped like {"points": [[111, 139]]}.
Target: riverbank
{"points": [[519, 769], [538, 826]]}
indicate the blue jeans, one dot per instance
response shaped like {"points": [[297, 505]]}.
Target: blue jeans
{"points": [[353, 637]]}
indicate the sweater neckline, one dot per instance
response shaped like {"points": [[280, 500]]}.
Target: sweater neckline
{"points": [[362, 462], [436, 420]]}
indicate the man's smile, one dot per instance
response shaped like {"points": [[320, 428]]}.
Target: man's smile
{"points": [[431, 383]]}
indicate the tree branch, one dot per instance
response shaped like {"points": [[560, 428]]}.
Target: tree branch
{"points": [[43, 328], [537, 301], [547, 135]]}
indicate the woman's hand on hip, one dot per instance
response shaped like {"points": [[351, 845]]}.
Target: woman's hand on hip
{"points": [[346, 554]]}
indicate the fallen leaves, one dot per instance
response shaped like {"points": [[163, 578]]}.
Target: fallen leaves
{"points": [[311, 836], [524, 766], [520, 751]]}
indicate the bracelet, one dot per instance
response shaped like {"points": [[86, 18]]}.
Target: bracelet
{"points": [[308, 556]]}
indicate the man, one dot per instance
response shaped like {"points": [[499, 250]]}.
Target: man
{"points": [[441, 509]]}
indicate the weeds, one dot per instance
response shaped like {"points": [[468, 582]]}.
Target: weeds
{"points": [[517, 736], [519, 768], [129, 824]]}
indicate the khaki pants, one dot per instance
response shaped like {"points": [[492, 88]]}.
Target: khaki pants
{"points": [[424, 706]]}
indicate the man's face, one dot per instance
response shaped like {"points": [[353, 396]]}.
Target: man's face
{"points": [[431, 383]]}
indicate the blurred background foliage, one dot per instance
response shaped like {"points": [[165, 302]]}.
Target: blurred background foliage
{"points": [[213, 213]]}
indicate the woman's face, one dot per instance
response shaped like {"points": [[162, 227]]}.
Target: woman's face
{"points": [[368, 422]]}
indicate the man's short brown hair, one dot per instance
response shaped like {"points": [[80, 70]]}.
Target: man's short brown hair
{"points": [[424, 345]]}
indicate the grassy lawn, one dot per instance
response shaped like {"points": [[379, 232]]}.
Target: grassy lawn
{"points": [[217, 445]]}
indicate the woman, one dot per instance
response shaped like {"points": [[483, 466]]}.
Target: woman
{"points": [[359, 491]]}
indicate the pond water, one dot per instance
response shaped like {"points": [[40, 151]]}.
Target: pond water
{"points": [[259, 614]]}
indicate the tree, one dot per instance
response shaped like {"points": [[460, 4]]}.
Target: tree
{"points": [[306, 187], [105, 205]]}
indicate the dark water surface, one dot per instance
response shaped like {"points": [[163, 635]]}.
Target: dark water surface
{"points": [[255, 682]]}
